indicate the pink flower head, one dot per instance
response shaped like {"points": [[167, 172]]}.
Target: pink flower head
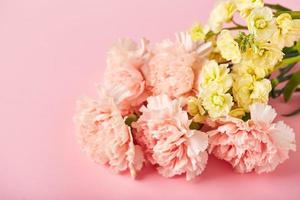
{"points": [[127, 52], [169, 71], [258, 144], [174, 67], [123, 79], [163, 132], [104, 136]]}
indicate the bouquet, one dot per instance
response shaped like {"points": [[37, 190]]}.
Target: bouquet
{"points": [[173, 104]]}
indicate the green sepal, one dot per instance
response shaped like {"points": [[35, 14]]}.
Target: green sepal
{"points": [[246, 117], [131, 118], [195, 126]]}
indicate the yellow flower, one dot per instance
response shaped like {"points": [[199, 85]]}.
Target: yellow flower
{"points": [[195, 107], [247, 90], [261, 61], [261, 90], [269, 54], [216, 102], [250, 68], [222, 13], [196, 110], [285, 22], [198, 32], [261, 23], [217, 74], [228, 47], [287, 32], [246, 6], [242, 87]]}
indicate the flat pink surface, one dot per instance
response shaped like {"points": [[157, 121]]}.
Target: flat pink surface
{"points": [[53, 51]]}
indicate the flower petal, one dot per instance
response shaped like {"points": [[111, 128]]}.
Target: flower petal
{"points": [[262, 113]]}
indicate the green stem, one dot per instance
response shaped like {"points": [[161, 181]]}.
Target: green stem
{"points": [[239, 27], [276, 93], [277, 7], [280, 79], [237, 24], [285, 78], [294, 14], [287, 61], [285, 70]]}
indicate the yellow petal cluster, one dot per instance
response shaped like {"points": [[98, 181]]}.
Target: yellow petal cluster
{"points": [[238, 74], [215, 83], [216, 102], [247, 90], [194, 106], [246, 6], [222, 13], [288, 31], [261, 62], [198, 32], [249, 68], [214, 73], [196, 110], [261, 23], [228, 47]]}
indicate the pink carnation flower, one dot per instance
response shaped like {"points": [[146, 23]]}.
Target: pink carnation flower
{"points": [[257, 144], [170, 70], [174, 67], [123, 79], [126, 51], [162, 130], [104, 136]]}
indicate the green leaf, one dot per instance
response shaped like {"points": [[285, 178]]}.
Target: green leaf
{"points": [[291, 86], [295, 112]]}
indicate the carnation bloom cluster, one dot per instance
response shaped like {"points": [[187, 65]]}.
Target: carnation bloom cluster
{"points": [[175, 103]]}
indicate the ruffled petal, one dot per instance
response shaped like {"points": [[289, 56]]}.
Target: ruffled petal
{"points": [[262, 113]]}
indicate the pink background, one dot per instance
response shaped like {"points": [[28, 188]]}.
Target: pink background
{"points": [[53, 51]]}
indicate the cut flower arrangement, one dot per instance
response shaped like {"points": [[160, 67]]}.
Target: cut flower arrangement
{"points": [[175, 103]]}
